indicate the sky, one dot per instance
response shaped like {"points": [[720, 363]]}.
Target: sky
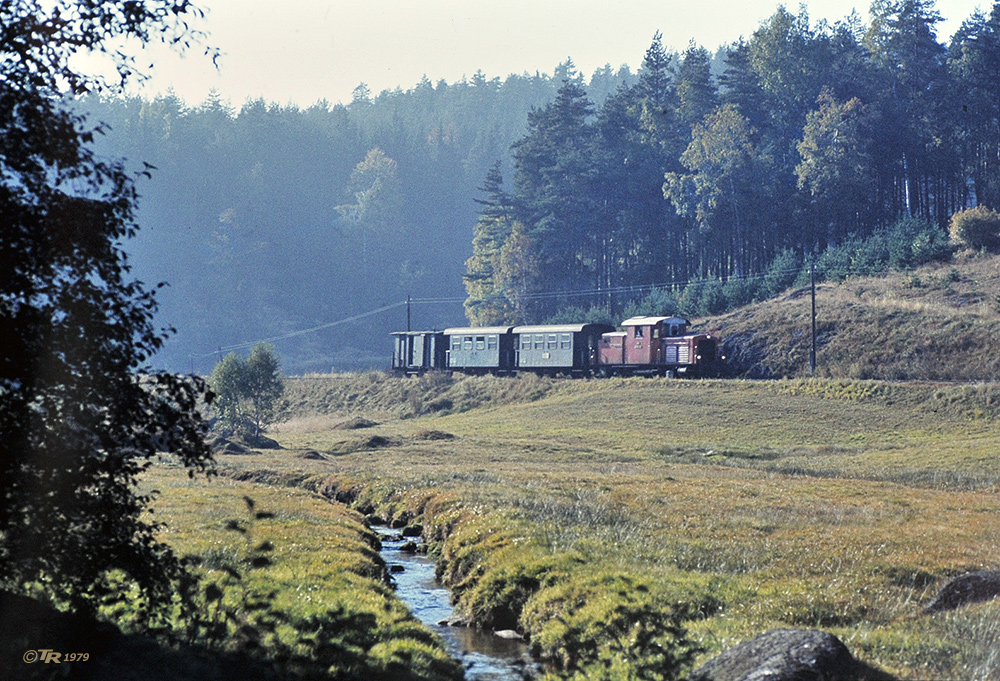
{"points": [[302, 51]]}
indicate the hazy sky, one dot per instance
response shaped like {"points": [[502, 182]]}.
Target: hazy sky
{"points": [[301, 51]]}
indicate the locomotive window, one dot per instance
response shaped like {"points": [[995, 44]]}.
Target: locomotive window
{"points": [[480, 342], [553, 342], [656, 332], [539, 342], [491, 342], [638, 332], [565, 341], [673, 330], [467, 342]]}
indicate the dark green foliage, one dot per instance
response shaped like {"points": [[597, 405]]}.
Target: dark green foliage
{"points": [[781, 273], [581, 315], [905, 245], [659, 302], [740, 291], [81, 413], [248, 392]]}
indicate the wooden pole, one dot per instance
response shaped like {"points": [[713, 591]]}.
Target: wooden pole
{"points": [[812, 285]]}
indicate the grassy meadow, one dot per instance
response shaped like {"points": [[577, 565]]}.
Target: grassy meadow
{"points": [[695, 513]]}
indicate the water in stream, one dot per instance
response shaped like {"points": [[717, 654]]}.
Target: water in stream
{"points": [[485, 656]]}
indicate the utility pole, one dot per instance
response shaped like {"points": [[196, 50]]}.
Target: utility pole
{"points": [[812, 285], [407, 312]]}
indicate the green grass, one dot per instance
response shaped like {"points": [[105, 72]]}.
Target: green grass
{"points": [[830, 503], [320, 603]]}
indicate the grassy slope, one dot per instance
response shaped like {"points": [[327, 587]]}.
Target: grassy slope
{"points": [[806, 502], [830, 502], [939, 322]]}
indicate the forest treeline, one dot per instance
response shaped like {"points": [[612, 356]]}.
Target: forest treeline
{"points": [[537, 196]]}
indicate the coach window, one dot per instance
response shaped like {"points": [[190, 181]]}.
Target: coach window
{"points": [[539, 341], [553, 342], [491, 342], [525, 341], [467, 342], [456, 342], [480, 342], [565, 341]]}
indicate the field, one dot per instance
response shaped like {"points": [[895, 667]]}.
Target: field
{"points": [[726, 508]]}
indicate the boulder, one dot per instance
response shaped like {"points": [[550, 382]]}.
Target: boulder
{"points": [[786, 655], [972, 587], [311, 454], [355, 423], [432, 435], [222, 445]]}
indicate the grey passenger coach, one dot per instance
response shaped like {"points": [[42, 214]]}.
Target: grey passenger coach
{"points": [[561, 348], [486, 349]]}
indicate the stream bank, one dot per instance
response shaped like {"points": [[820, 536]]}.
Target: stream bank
{"points": [[484, 655]]}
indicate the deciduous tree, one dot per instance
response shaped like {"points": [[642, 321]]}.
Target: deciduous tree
{"points": [[81, 412]]}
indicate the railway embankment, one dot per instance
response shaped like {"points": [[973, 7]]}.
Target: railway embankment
{"points": [[938, 322]]}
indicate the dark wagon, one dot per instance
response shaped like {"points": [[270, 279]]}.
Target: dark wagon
{"points": [[415, 352], [487, 349], [561, 348]]}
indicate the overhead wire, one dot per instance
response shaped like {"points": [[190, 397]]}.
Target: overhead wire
{"points": [[612, 290]]}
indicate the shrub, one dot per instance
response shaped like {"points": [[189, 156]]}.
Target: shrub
{"points": [[581, 315], [740, 291], [781, 273], [659, 302], [976, 228]]}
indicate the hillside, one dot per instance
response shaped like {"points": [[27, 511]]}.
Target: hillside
{"points": [[939, 322]]}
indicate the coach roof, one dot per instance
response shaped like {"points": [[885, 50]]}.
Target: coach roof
{"points": [[476, 330]]}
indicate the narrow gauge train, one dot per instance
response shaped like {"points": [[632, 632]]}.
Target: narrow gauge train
{"points": [[647, 346]]}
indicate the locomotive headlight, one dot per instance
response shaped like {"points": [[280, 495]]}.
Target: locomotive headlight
{"points": [[699, 356]]}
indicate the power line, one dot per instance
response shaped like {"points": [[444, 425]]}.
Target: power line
{"points": [[531, 296], [301, 332]]}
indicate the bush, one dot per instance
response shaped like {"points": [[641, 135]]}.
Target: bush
{"points": [[976, 228], [581, 315], [740, 291], [781, 273], [659, 302]]}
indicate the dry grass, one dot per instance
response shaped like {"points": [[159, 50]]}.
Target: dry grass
{"points": [[831, 503], [936, 323]]}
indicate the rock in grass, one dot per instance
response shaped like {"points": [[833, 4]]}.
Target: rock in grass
{"points": [[432, 435], [355, 423], [973, 587], [786, 655], [311, 454]]}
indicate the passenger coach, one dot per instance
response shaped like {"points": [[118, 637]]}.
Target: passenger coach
{"points": [[566, 348]]}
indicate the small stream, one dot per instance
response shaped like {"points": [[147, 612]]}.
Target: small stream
{"points": [[485, 656]]}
